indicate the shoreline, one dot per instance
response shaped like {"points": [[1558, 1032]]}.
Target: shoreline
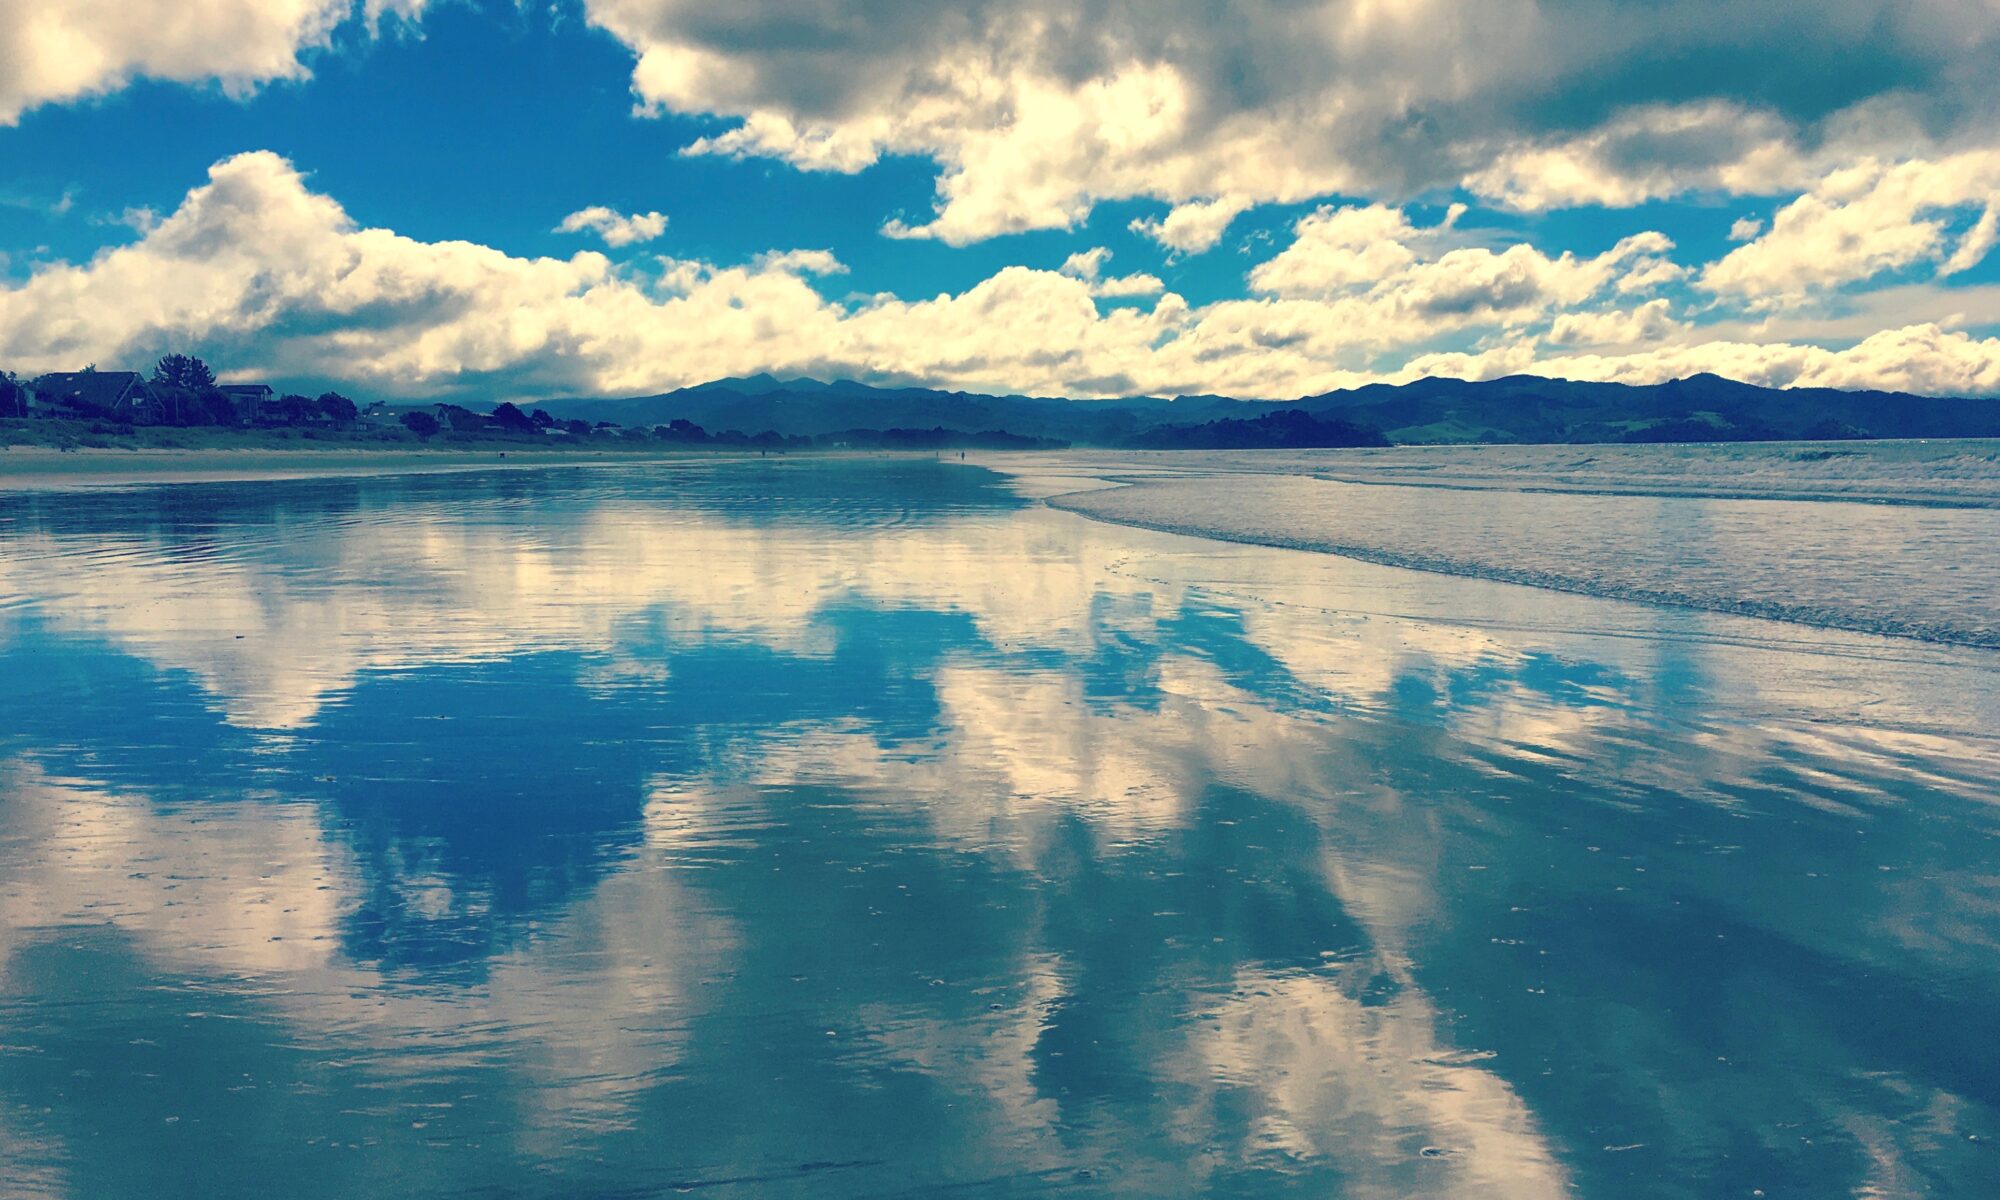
{"points": [[1113, 505], [1457, 569], [36, 469]]}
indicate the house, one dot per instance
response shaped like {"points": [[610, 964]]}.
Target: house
{"points": [[377, 416], [252, 401], [119, 395], [458, 419], [14, 398]]}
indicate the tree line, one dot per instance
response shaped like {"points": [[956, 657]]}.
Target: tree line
{"points": [[183, 391]]}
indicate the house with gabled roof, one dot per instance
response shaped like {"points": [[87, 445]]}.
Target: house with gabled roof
{"points": [[119, 395]]}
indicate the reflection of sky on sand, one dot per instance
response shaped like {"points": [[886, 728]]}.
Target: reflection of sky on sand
{"points": [[760, 827]]}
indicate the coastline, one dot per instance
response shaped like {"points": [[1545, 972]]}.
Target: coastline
{"points": [[1605, 544], [38, 468]]}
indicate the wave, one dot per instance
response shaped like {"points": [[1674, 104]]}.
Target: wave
{"points": [[1925, 573]]}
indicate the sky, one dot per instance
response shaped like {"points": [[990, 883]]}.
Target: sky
{"points": [[527, 199]]}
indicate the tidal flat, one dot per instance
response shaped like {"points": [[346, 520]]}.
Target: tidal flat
{"points": [[848, 827]]}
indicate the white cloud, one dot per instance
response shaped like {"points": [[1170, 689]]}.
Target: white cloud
{"points": [[1646, 154], [1388, 283], [1744, 229], [1861, 221], [806, 262], [143, 220], [55, 52], [1650, 274], [1128, 286], [1650, 322], [1851, 316], [1924, 359], [265, 274], [614, 227], [1338, 248], [1034, 111], [259, 273], [1193, 227], [1977, 242], [1086, 265]]}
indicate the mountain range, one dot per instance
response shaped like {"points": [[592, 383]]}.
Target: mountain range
{"points": [[1518, 408]]}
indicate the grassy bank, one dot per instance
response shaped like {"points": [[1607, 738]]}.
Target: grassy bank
{"points": [[101, 435], [41, 454]]}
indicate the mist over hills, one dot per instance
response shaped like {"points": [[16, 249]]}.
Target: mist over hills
{"points": [[1515, 409]]}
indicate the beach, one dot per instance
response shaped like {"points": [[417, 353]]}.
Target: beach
{"points": [[42, 469]]}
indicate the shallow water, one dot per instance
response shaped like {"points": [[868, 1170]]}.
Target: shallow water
{"points": [[1888, 538], [860, 829]]}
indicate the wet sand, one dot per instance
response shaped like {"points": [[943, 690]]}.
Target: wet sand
{"points": [[1885, 538], [420, 837]]}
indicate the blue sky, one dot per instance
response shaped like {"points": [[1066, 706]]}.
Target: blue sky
{"points": [[1283, 198]]}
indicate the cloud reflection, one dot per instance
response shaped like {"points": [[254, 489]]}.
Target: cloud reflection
{"points": [[663, 832]]}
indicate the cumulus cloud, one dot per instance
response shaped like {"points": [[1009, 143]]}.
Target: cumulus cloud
{"points": [[1744, 229], [1034, 110], [1924, 359], [808, 262], [1391, 283], [1653, 152], [64, 51], [1864, 220], [614, 227], [1129, 286], [257, 271], [1087, 266], [1650, 322], [1339, 248], [1193, 227]]}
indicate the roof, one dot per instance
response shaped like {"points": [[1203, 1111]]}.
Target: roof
{"points": [[103, 389], [247, 389]]}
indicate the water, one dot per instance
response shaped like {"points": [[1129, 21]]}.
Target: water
{"points": [[861, 829], [1891, 538]]}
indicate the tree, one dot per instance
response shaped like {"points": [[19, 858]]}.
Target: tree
{"points": [[420, 423], [541, 419], [181, 371], [462, 419], [338, 408], [577, 426], [510, 419], [208, 406], [294, 409]]}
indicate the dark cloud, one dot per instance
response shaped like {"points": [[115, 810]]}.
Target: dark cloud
{"points": [[1365, 98]]}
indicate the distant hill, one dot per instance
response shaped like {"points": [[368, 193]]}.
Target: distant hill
{"points": [[1520, 408], [1528, 408], [812, 407]]}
